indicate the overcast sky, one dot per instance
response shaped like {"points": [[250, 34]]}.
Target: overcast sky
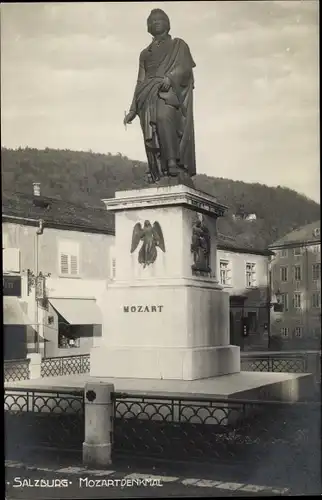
{"points": [[68, 72]]}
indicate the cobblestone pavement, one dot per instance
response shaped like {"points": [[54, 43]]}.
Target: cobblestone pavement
{"points": [[297, 473]]}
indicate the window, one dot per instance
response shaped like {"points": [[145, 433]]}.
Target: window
{"points": [[316, 299], [5, 240], [252, 322], [316, 272], [11, 260], [66, 337], [298, 331], [316, 248], [316, 232], [250, 274], [297, 300], [65, 342], [284, 332], [225, 272], [283, 253], [284, 273], [297, 273], [297, 251], [69, 258], [284, 301], [71, 336]]}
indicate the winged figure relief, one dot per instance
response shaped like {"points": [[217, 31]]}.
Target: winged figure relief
{"points": [[151, 238]]}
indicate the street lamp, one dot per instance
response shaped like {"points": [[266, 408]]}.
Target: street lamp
{"points": [[37, 281]]}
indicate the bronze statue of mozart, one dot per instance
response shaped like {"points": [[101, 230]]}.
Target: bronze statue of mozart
{"points": [[163, 102]]}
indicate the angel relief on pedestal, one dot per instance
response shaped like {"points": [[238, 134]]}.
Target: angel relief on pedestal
{"points": [[151, 238]]}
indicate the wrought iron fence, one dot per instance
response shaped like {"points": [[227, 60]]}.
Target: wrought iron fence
{"points": [[16, 369], [43, 419], [65, 365], [213, 429], [172, 428], [71, 365], [291, 363]]}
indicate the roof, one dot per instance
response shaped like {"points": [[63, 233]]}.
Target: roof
{"points": [[66, 215], [301, 235], [238, 244], [59, 213]]}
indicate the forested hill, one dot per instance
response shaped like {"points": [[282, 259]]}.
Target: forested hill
{"points": [[86, 178]]}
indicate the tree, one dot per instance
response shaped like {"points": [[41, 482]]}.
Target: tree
{"points": [[85, 177]]}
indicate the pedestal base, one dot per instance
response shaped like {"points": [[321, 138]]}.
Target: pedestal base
{"points": [[164, 363], [244, 385]]}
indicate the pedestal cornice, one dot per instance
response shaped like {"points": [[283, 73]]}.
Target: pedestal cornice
{"points": [[165, 197], [168, 282]]}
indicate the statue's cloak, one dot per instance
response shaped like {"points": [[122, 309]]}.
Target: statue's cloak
{"points": [[175, 61]]}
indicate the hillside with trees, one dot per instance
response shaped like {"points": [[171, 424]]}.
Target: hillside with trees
{"points": [[86, 178]]}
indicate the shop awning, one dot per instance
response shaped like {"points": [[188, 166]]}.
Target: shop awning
{"points": [[78, 311], [13, 313]]}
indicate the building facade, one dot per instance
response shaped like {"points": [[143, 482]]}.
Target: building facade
{"points": [[243, 273], [295, 270], [63, 266]]}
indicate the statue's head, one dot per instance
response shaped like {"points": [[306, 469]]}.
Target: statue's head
{"points": [[158, 22]]}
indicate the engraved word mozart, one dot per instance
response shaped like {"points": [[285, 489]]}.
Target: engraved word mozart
{"points": [[141, 309]]}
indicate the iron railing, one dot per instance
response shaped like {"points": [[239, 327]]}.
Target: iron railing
{"points": [[65, 365], [71, 365], [289, 363], [16, 369], [43, 419], [292, 363], [271, 441], [177, 428]]}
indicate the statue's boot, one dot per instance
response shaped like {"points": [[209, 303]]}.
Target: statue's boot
{"points": [[173, 170]]}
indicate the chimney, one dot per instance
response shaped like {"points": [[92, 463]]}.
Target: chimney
{"points": [[36, 186]]}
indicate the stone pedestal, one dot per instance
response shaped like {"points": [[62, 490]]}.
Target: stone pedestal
{"points": [[164, 320]]}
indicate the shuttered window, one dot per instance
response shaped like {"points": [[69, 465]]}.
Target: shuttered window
{"points": [[225, 272], [68, 258], [316, 272], [64, 264], [297, 300], [250, 274], [297, 273], [73, 264]]}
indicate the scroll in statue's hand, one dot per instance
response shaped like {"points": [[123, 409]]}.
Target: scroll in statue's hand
{"points": [[165, 85], [129, 118]]}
